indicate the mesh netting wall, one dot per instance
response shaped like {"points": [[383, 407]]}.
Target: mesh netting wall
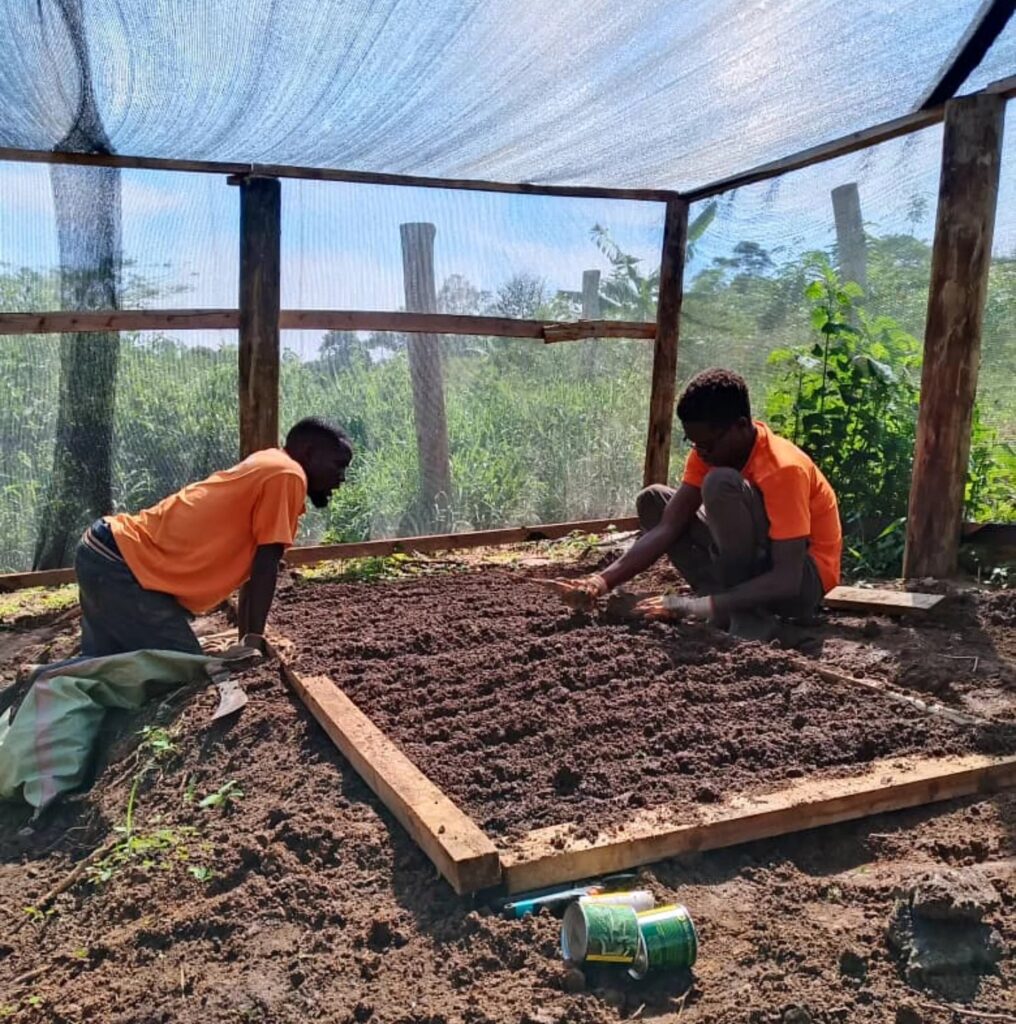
{"points": [[814, 286], [536, 433], [137, 239]]}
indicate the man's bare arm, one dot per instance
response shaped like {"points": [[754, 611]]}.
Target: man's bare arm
{"points": [[781, 582], [678, 515], [257, 593]]}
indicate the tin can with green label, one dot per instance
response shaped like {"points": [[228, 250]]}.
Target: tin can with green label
{"points": [[667, 941], [600, 933]]}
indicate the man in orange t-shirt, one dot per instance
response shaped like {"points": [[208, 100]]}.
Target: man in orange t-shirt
{"points": [[754, 526], [143, 577]]}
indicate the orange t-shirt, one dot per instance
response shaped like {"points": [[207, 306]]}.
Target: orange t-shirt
{"points": [[199, 543], [798, 499]]}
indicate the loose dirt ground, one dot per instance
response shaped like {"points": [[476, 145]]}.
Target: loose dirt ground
{"points": [[308, 902]]}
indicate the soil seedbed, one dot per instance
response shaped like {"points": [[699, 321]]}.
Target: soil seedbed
{"points": [[527, 715], [308, 902]]}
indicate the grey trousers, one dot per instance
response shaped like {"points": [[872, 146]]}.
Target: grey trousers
{"points": [[728, 543], [118, 614]]}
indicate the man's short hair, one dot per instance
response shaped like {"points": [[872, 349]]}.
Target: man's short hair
{"points": [[313, 429], [714, 396]]}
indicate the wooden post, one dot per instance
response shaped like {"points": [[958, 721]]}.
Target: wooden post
{"points": [[260, 222], [850, 244], [590, 295], [668, 314], [590, 311], [968, 191], [426, 372]]}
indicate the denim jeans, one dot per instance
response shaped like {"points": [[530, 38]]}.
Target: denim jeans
{"points": [[118, 614]]}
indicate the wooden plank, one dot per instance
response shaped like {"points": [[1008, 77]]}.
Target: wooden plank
{"points": [[668, 315], [58, 322], [654, 195], [851, 143], [582, 329], [881, 602], [985, 27], [463, 853], [334, 552], [961, 259], [453, 541], [119, 320], [43, 578], [144, 163], [242, 170], [553, 855], [259, 356]]}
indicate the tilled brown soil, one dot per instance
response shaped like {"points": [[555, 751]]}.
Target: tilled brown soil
{"points": [[962, 654], [528, 715], [308, 902], [315, 905]]}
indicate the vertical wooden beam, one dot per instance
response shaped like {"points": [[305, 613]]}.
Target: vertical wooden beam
{"points": [[968, 192], [668, 314], [850, 245], [260, 225], [590, 311], [427, 376]]}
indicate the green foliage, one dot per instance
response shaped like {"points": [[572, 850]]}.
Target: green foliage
{"points": [[224, 797], [849, 399], [156, 850]]}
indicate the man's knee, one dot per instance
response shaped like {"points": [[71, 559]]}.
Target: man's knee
{"points": [[722, 482], [650, 503]]}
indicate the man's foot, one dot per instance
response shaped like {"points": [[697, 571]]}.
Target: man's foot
{"points": [[751, 625]]}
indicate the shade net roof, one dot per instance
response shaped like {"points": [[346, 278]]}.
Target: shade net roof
{"points": [[652, 93]]}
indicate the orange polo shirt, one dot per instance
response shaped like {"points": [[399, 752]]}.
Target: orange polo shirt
{"points": [[199, 543], [799, 500]]}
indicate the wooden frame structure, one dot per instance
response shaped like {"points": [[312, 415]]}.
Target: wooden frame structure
{"points": [[471, 861], [968, 190]]}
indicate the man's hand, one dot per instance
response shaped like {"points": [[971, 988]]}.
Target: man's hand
{"points": [[577, 594], [668, 608]]}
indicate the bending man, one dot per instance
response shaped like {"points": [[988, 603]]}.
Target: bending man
{"points": [[754, 527], [143, 577]]}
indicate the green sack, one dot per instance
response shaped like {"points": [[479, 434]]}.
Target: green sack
{"points": [[45, 750]]}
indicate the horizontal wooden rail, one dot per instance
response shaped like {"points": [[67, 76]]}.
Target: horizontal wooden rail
{"points": [[321, 319], [119, 320], [45, 156], [442, 323], [379, 548], [453, 541], [905, 125]]}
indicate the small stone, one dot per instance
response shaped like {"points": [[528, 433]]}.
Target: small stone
{"points": [[852, 964], [614, 998], [362, 1012], [573, 980], [796, 1015], [946, 895], [907, 1013]]}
